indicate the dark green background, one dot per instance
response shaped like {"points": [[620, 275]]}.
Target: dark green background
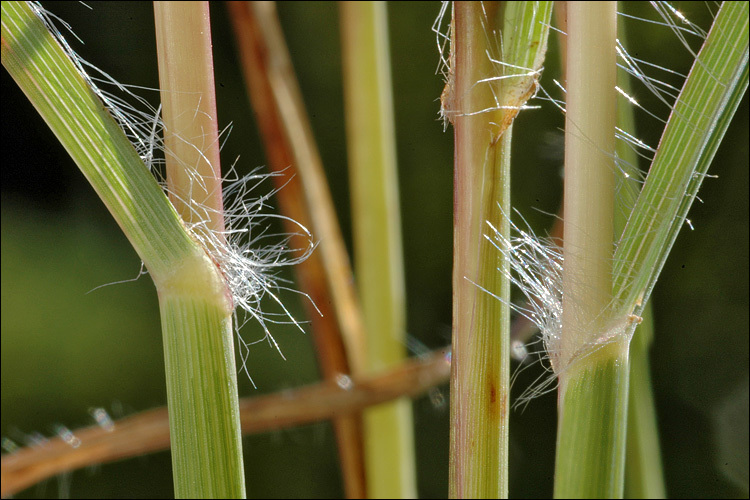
{"points": [[65, 350]]}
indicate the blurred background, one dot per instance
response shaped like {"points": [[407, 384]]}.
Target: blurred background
{"points": [[66, 348]]}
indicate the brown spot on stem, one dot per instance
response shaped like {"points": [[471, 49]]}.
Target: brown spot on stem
{"points": [[497, 401]]}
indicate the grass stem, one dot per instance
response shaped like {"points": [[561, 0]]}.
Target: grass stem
{"points": [[591, 365], [371, 144], [196, 320]]}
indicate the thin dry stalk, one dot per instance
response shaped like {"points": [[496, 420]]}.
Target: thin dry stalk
{"points": [[326, 276]]}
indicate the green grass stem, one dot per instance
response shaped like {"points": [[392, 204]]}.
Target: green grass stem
{"points": [[480, 369], [379, 269], [196, 323], [592, 400], [482, 97], [644, 474], [592, 420]]}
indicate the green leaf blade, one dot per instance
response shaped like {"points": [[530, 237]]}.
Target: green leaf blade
{"points": [[709, 98]]}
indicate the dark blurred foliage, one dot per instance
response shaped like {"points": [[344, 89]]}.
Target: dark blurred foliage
{"points": [[65, 351]]}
